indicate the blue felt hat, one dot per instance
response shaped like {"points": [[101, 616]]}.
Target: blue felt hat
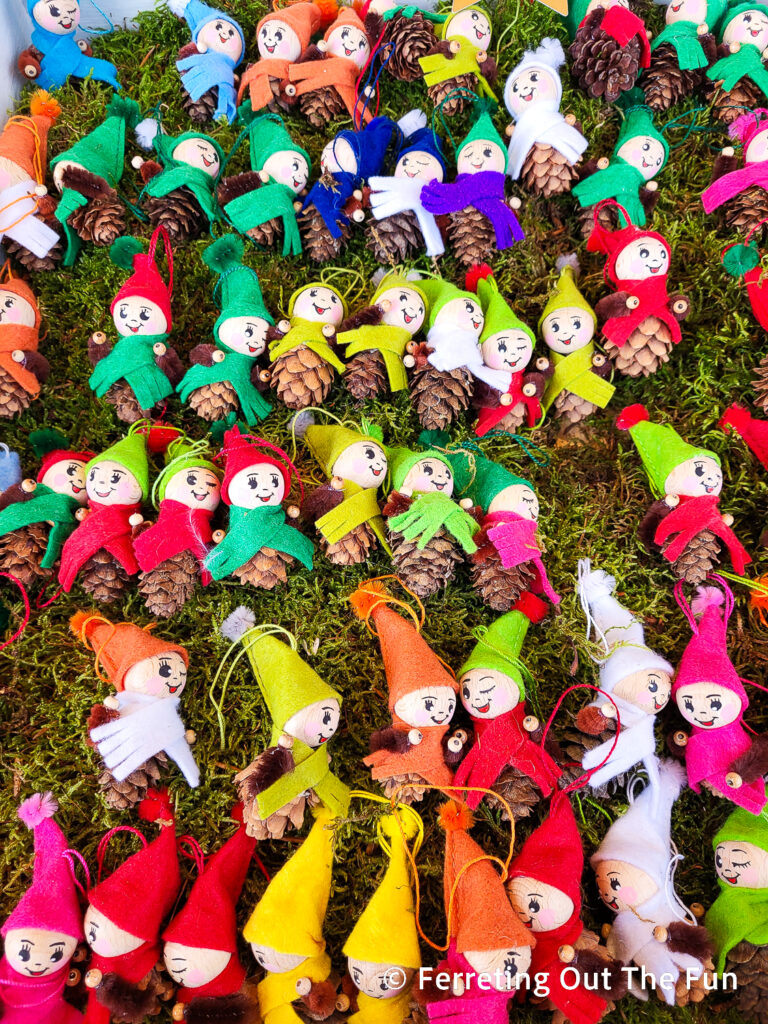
{"points": [[423, 140], [10, 468], [198, 14], [370, 144]]}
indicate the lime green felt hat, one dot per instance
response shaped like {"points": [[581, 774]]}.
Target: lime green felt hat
{"points": [[566, 296], [327, 441], [659, 445], [499, 648], [130, 452], [402, 460], [239, 285], [180, 455], [499, 315], [395, 280], [439, 292]]}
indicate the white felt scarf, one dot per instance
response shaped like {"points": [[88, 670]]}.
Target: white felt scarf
{"points": [[545, 124], [390, 196], [636, 742], [18, 220], [454, 348]]}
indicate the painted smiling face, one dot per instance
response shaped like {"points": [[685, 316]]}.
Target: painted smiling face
{"points": [[274, 961], [198, 153], [644, 153], [708, 705], [478, 155], [517, 498], [488, 693], [687, 10], [363, 463], [472, 25], [503, 967], [244, 334], [349, 42], [319, 304], [419, 165], [258, 486], [15, 310], [541, 907], [701, 475], [221, 36], [11, 173], [567, 330], [463, 314], [644, 258], [192, 967], [58, 16], [338, 156], [37, 952], [162, 675], [379, 981], [757, 150], [289, 167], [623, 886], [507, 350], [749, 27], [139, 316], [67, 477], [109, 483], [426, 707], [532, 86], [740, 864], [278, 40], [105, 938], [195, 488], [428, 475], [647, 689], [316, 723], [406, 309]]}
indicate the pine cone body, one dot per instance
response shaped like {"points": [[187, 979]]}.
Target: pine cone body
{"points": [[745, 211], [265, 570], [365, 376], [353, 548], [22, 551], [727, 106], [121, 395], [410, 787], [104, 578], [317, 241], [457, 104], [513, 420], [276, 825], [699, 558], [393, 239], [301, 378], [214, 401], [750, 965], [665, 83], [28, 260], [760, 383], [410, 38], [123, 796], [13, 398], [101, 221], [428, 570], [499, 587], [168, 587], [179, 213], [520, 793], [698, 989], [472, 237], [268, 234], [603, 67], [440, 396], [645, 350], [571, 407], [546, 172], [606, 218], [574, 744], [321, 106], [200, 111]]}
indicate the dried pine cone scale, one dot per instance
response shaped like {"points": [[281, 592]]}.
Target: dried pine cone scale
{"points": [[472, 237], [214, 401], [122, 796], [644, 351], [121, 396], [104, 578], [743, 214], [457, 104], [322, 106], [265, 570], [301, 378], [29, 261], [600, 64], [749, 963], [317, 241], [760, 383], [179, 213], [353, 548], [394, 238], [201, 111], [410, 39], [168, 587], [665, 83], [518, 793], [101, 221], [408, 788], [727, 106], [499, 587], [428, 570], [365, 375], [13, 398], [440, 396], [700, 557], [22, 551], [572, 408], [546, 172]]}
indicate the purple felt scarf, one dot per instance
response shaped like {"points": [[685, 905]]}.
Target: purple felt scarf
{"points": [[484, 191]]}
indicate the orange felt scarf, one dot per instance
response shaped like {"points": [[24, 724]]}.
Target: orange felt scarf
{"points": [[18, 336]]}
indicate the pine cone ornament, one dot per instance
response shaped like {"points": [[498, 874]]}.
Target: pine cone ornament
{"points": [[750, 965], [353, 548], [727, 106], [698, 989], [519, 792], [28, 260], [665, 83], [440, 396], [499, 587], [574, 744], [742, 214], [606, 218], [699, 558], [121, 396], [603, 67], [179, 213], [125, 795], [276, 825], [365, 376], [646, 349], [101, 221], [268, 234], [317, 241], [301, 378], [457, 104], [394, 239], [213, 402], [22, 551], [409, 39], [472, 237], [104, 578], [13, 398], [572, 407], [546, 172], [321, 106], [408, 788], [428, 570], [265, 570], [200, 111], [168, 587], [760, 383]]}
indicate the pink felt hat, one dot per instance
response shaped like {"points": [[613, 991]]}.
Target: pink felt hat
{"points": [[746, 127], [705, 659]]}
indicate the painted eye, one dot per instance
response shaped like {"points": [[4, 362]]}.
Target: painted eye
{"points": [[653, 687], [534, 906], [123, 313], [403, 297], [502, 346], [71, 469], [644, 253], [699, 470], [688, 705], [313, 293], [554, 327], [253, 482], [715, 704], [24, 954], [191, 479], [55, 12], [334, 300], [718, 860], [115, 478], [487, 153], [465, 692], [57, 955], [534, 77], [326, 718], [9, 303], [275, 482], [279, 35], [469, 307], [92, 934], [165, 670], [515, 88], [428, 471], [615, 884], [428, 704], [370, 454]]}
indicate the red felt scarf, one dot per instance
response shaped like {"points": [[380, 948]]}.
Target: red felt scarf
{"points": [[578, 1005], [178, 528], [623, 25], [107, 527], [692, 516], [487, 418], [131, 967], [654, 301]]}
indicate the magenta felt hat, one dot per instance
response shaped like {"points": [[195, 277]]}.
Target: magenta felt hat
{"points": [[705, 659], [746, 127], [51, 901]]}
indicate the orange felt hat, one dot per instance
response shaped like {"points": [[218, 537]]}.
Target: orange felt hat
{"points": [[481, 916], [409, 661], [304, 18], [24, 140], [346, 16], [119, 645]]}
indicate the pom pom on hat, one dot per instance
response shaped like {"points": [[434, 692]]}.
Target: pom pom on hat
{"points": [[301, 422], [412, 121], [550, 52], [224, 253], [631, 416], [37, 809], [122, 251], [146, 131], [706, 597], [367, 597], [454, 816], [43, 104], [568, 259], [237, 623], [177, 7], [156, 806], [748, 125], [476, 273]]}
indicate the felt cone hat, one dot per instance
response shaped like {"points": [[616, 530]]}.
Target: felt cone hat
{"points": [[400, 461], [499, 315], [395, 280], [499, 648], [130, 452], [566, 295], [102, 151], [198, 14], [346, 16], [238, 286], [440, 292], [743, 826], [19, 287], [145, 279], [183, 454], [289, 916], [51, 902], [267, 133], [327, 441], [386, 932], [754, 432], [139, 894], [119, 645], [409, 661], [491, 478], [660, 447], [553, 852], [481, 917], [304, 18], [240, 452], [51, 447], [24, 140], [483, 129], [706, 656]]}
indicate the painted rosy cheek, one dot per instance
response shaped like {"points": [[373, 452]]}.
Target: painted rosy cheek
{"points": [[546, 918], [61, 480], [628, 894], [125, 489]]}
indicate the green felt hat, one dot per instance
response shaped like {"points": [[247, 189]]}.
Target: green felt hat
{"points": [[182, 454], [327, 441], [131, 452], [715, 11], [499, 648], [238, 285], [268, 135], [485, 130], [439, 292], [734, 10], [638, 120], [395, 280], [743, 826], [499, 315], [577, 12], [102, 151], [402, 460], [491, 478], [164, 146], [566, 295], [659, 445]]}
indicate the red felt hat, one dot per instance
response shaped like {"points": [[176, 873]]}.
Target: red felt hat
{"points": [[613, 242], [61, 455], [553, 853], [139, 894], [753, 431], [146, 279], [240, 452]]}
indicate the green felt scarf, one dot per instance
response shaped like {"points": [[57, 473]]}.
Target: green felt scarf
{"points": [[201, 185], [44, 506], [311, 771], [133, 359], [746, 63], [620, 181], [684, 39], [737, 914], [262, 204], [250, 530], [432, 512], [574, 373], [235, 368], [359, 506], [382, 338], [309, 333], [69, 203]]}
